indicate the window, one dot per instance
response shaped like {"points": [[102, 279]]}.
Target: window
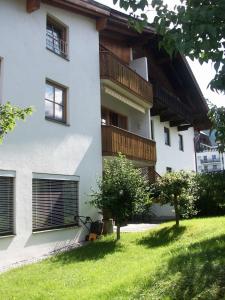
{"points": [[214, 167], [205, 158], [55, 203], [113, 118], [56, 37], [6, 205], [167, 136], [55, 102], [213, 157], [152, 130], [205, 168], [168, 169], [181, 142]]}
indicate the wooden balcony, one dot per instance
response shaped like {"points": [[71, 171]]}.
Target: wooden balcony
{"points": [[170, 108], [112, 69], [135, 147]]}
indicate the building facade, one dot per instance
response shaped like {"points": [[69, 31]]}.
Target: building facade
{"points": [[97, 88], [210, 160]]}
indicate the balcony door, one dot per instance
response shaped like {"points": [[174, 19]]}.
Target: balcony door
{"points": [[113, 118]]}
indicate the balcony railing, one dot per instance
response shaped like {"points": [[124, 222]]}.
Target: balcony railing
{"points": [[164, 99], [210, 160], [135, 147], [113, 69]]}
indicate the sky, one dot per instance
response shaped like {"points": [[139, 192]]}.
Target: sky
{"points": [[203, 73]]}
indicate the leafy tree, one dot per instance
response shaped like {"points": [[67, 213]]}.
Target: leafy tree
{"points": [[195, 28], [211, 194], [9, 115], [179, 190], [121, 191], [217, 118]]}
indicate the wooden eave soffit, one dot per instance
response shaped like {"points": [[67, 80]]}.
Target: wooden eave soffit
{"points": [[33, 5], [101, 23], [76, 6]]}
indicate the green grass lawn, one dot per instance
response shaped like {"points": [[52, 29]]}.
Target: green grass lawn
{"points": [[165, 263]]}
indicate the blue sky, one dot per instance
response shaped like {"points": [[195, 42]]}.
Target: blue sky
{"points": [[203, 73]]}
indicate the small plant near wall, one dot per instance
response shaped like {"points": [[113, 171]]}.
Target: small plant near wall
{"points": [[122, 190], [9, 114], [179, 190]]}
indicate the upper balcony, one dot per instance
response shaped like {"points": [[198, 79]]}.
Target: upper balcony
{"points": [[122, 79], [135, 147], [210, 160], [171, 108]]}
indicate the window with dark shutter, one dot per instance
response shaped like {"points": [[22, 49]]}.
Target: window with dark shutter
{"points": [[6, 205], [55, 204]]}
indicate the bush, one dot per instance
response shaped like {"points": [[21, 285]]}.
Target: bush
{"points": [[179, 190], [211, 194], [122, 190]]}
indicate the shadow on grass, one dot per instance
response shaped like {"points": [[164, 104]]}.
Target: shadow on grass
{"points": [[92, 251], [196, 272], [162, 237]]}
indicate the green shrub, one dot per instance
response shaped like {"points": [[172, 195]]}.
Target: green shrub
{"points": [[122, 190], [211, 194], [179, 190]]}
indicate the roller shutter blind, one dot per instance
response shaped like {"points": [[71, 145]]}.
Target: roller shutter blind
{"points": [[6, 205], [55, 203]]}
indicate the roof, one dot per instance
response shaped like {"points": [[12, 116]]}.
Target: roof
{"points": [[116, 22]]}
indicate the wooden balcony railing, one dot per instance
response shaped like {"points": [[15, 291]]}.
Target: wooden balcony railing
{"points": [[113, 69], [164, 99], [135, 147]]}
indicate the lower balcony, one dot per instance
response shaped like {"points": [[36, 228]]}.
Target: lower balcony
{"points": [[135, 147]]}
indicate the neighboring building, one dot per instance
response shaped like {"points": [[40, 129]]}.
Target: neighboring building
{"points": [[210, 160], [147, 104]]}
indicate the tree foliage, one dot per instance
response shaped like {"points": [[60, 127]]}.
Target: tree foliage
{"points": [[9, 115], [122, 190], [217, 118], [179, 190], [195, 28], [211, 194]]}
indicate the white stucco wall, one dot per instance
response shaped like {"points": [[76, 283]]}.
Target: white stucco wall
{"points": [[38, 145], [171, 156]]}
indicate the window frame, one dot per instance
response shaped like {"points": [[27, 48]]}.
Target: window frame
{"points": [[152, 130], [215, 168], [167, 132], [108, 111], [52, 212], [10, 203], [181, 142], [63, 105], [206, 169], [213, 157], [57, 26]]}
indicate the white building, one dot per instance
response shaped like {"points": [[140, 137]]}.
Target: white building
{"points": [[49, 59], [210, 160]]}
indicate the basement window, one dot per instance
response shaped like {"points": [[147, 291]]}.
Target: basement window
{"points": [[54, 204], [56, 37], [6, 205]]}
